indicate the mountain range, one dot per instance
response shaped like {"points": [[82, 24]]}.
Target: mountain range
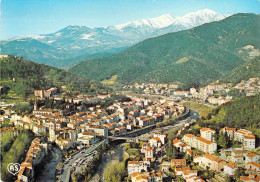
{"points": [[191, 57], [73, 44]]}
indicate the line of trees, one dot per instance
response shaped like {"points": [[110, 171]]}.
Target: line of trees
{"points": [[16, 152]]}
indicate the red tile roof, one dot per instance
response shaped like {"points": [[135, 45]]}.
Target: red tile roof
{"points": [[212, 158], [251, 155], [175, 141], [253, 163], [178, 160], [231, 165], [204, 140], [189, 135]]}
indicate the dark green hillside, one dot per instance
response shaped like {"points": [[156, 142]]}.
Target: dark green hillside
{"points": [[22, 77], [240, 113], [199, 55], [244, 72]]}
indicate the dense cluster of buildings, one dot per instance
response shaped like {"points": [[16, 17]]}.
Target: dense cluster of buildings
{"points": [[84, 128], [140, 170], [209, 94], [154, 88], [227, 163], [206, 142], [250, 86], [87, 127], [35, 154], [9, 131]]}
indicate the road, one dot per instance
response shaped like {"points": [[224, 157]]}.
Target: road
{"points": [[193, 116], [65, 175]]}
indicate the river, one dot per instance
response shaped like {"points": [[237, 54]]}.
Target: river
{"points": [[48, 172], [117, 152]]}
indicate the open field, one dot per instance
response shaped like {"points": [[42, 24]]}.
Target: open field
{"points": [[111, 81], [203, 109]]}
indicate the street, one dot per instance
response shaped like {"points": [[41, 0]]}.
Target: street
{"points": [[65, 175]]}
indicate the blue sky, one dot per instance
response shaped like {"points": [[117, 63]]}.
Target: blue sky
{"points": [[29, 17]]}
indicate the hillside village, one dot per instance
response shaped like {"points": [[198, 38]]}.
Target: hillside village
{"points": [[85, 128], [198, 153], [215, 94], [124, 97]]}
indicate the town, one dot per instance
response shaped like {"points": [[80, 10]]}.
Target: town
{"points": [[215, 94], [89, 122]]}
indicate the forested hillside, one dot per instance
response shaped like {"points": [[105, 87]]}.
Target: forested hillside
{"points": [[22, 77], [240, 113], [244, 72], [196, 56]]}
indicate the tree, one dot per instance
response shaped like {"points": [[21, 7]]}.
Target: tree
{"points": [[239, 172], [174, 152], [227, 179], [215, 137], [208, 117], [169, 150], [114, 171], [224, 140]]}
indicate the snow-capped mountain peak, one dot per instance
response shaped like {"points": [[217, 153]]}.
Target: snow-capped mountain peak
{"points": [[205, 13], [194, 18], [163, 21], [157, 22], [82, 40], [198, 18]]}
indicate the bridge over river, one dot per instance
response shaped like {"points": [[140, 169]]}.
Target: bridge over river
{"points": [[131, 136]]}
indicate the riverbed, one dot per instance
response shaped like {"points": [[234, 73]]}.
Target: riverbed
{"points": [[48, 172]]}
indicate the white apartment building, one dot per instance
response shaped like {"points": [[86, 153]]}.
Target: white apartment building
{"points": [[205, 145], [208, 134], [246, 137], [136, 166]]}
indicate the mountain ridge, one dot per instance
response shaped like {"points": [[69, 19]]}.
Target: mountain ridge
{"points": [[213, 47], [75, 41]]}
